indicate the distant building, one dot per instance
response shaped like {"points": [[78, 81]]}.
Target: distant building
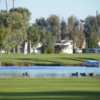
{"points": [[37, 49], [93, 50], [64, 46], [2, 51]]}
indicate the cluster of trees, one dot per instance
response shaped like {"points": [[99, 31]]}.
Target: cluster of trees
{"points": [[15, 29], [52, 29], [13, 26], [70, 30], [92, 30]]}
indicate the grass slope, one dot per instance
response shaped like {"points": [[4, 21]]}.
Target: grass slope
{"points": [[50, 89], [49, 59]]}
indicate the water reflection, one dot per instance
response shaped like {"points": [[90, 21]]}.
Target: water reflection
{"points": [[47, 72]]}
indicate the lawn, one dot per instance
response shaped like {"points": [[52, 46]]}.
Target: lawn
{"points": [[49, 59], [50, 89]]}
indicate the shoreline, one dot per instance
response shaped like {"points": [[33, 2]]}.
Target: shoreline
{"points": [[28, 64]]}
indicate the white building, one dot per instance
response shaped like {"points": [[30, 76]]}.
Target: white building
{"points": [[64, 46], [2, 51], [37, 49], [93, 50]]}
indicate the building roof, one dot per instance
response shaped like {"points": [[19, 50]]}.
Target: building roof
{"points": [[64, 42]]}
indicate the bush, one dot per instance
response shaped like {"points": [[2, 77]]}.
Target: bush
{"points": [[50, 50], [93, 43]]}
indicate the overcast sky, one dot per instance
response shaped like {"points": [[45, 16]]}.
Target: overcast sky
{"points": [[62, 8]]}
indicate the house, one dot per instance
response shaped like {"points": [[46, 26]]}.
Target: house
{"points": [[37, 49], [64, 46], [93, 50], [34, 49], [2, 51]]}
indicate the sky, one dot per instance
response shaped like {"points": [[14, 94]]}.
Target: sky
{"points": [[62, 8]]}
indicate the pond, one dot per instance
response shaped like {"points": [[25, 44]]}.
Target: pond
{"points": [[46, 71]]}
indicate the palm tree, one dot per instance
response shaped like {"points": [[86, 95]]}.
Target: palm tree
{"points": [[13, 5], [6, 6]]}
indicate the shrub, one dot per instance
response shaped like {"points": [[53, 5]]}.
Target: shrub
{"points": [[50, 50], [93, 43]]}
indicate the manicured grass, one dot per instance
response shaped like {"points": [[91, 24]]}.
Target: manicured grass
{"points": [[49, 59], [50, 89]]}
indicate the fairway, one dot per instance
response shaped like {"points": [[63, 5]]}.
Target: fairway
{"points": [[47, 59], [50, 89]]}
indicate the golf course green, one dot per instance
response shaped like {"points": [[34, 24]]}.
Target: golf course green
{"points": [[47, 59], [50, 89]]}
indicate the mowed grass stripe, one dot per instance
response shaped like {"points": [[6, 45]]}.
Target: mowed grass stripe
{"points": [[47, 59], [47, 89]]}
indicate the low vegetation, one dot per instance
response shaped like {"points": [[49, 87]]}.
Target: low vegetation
{"points": [[47, 59], [50, 89]]}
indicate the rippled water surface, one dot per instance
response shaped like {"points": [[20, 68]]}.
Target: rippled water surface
{"points": [[47, 72]]}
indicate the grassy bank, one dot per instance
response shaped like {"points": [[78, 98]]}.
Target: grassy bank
{"points": [[50, 89], [47, 59]]}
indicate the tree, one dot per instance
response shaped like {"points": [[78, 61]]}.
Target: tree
{"points": [[41, 24], [50, 40], [18, 23], [98, 22], [6, 6], [72, 23], [1, 20], [4, 20], [21, 11], [5, 39], [91, 27], [33, 36], [74, 31], [47, 40], [93, 43], [54, 26], [46, 36], [13, 5], [63, 29]]}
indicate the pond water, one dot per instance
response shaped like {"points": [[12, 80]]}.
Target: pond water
{"points": [[47, 72]]}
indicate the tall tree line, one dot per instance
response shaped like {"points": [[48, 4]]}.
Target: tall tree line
{"points": [[47, 31], [92, 27]]}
